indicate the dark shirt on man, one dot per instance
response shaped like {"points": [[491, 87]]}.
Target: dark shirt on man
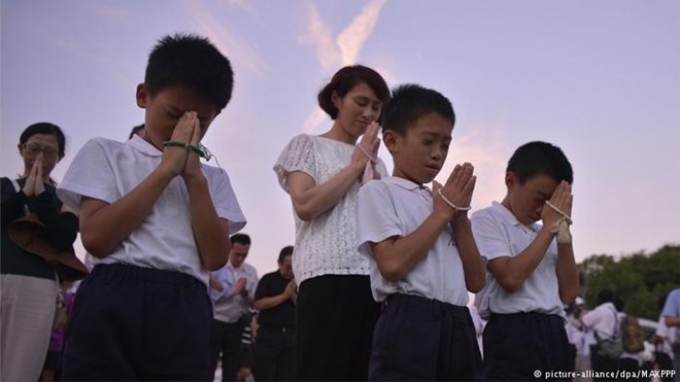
{"points": [[282, 315]]}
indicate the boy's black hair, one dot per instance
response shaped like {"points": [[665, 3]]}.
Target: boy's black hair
{"points": [[619, 304], [240, 238], [603, 296], [47, 129], [286, 251], [345, 80], [191, 62], [410, 102], [536, 158]]}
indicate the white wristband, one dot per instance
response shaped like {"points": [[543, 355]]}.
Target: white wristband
{"points": [[455, 207]]}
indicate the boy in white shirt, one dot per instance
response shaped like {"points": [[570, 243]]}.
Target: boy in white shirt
{"points": [[157, 221], [423, 256], [531, 276]]}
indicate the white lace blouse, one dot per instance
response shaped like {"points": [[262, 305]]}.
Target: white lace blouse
{"points": [[327, 244]]}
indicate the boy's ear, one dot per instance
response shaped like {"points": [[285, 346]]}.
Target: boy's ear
{"points": [[390, 138], [142, 96], [510, 178]]}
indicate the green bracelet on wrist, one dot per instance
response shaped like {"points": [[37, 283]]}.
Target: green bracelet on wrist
{"points": [[192, 146]]}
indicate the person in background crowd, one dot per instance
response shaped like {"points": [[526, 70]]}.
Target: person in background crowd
{"points": [[29, 289], [275, 299]]}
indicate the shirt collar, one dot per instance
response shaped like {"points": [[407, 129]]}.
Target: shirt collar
{"points": [[512, 219], [138, 143], [405, 183]]}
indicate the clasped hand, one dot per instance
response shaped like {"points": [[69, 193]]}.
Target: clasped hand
{"points": [[367, 149], [182, 160], [35, 185], [562, 199], [457, 191]]}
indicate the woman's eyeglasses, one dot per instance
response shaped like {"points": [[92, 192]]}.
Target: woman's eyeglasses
{"points": [[35, 149]]}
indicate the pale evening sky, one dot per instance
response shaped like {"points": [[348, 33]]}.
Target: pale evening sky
{"points": [[599, 79]]}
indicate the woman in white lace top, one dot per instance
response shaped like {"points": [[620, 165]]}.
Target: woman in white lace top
{"points": [[322, 174]]}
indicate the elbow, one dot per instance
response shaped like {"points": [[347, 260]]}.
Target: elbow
{"points": [[569, 296], [392, 272], [304, 213], [214, 264], [94, 246], [218, 256], [510, 284], [306, 209], [475, 286]]}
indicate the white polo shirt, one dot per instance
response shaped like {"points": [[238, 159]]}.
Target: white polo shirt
{"points": [[107, 170], [603, 320], [396, 207], [498, 233]]}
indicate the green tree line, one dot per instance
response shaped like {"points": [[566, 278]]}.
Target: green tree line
{"points": [[639, 279]]}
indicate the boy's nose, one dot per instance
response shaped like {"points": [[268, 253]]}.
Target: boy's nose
{"points": [[436, 153]]}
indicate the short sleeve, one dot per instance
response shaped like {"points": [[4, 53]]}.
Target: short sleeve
{"points": [[91, 175], [488, 234], [298, 155], [377, 218], [224, 200]]}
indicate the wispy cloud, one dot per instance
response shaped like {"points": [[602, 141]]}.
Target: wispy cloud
{"points": [[333, 52], [352, 38], [320, 36], [239, 51]]}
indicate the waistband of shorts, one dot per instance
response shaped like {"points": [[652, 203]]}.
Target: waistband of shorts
{"points": [[109, 272]]}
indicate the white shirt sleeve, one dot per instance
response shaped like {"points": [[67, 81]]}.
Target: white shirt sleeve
{"points": [[90, 174], [377, 218], [488, 234], [225, 202], [298, 155]]}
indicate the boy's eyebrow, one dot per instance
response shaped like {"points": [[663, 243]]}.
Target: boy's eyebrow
{"points": [[433, 134]]}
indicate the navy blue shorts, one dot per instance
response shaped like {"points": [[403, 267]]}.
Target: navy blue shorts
{"points": [[131, 323], [419, 339], [517, 345]]}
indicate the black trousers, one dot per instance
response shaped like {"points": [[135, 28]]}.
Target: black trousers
{"points": [[226, 339], [516, 345], [275, 357], [335, 320], [131, 324], [419, 339]]}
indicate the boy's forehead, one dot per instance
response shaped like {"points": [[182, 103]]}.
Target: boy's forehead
{"points": [[182, 100], [541, 183], [431, 124]]}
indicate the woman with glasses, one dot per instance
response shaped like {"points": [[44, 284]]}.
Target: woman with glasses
{"points": [[29, 286]]}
